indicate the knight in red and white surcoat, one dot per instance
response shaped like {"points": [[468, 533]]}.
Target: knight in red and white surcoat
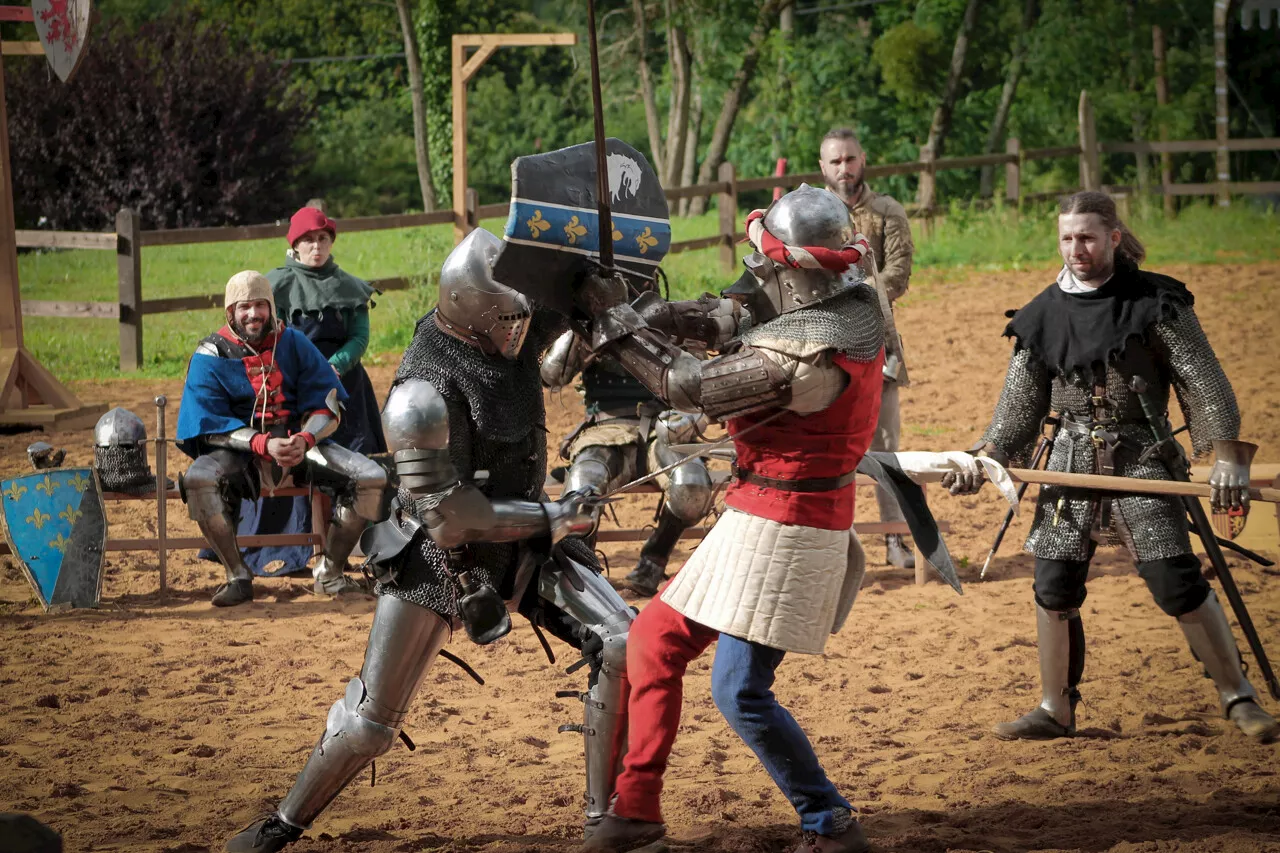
{"points": [[799, 393]]}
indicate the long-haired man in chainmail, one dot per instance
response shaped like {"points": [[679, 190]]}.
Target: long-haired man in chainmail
{"points": [[1077, 347], [469, 530], [799, 393]]}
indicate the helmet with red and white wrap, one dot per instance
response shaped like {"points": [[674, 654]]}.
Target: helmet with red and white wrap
{"points": [[806, 248]]}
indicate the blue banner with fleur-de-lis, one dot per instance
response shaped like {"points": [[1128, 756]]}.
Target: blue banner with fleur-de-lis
{"points": [[553, 234], [57, 529]]}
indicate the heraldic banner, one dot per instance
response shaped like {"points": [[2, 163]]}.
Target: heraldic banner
{"points": [[57, 529]]}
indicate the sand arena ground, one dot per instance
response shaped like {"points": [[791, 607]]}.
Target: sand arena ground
{"points": [[165, 725]]}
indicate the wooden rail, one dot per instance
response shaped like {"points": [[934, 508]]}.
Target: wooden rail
{"points": [[129, 239]]}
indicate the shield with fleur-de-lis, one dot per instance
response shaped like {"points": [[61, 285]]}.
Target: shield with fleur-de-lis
{"points": [[57, 530], [553, 230]]}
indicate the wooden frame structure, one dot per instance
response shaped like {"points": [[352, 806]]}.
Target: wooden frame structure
{"points": [[464, 68], [30, 395]]}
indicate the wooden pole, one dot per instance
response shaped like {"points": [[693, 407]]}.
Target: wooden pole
{"points": [[1162, 100], [129, 282], [727, 206], [460, 228], [1090, 165], [162, 494], [1130, 485], [11, 306], [463, 69], [1220, 93]]}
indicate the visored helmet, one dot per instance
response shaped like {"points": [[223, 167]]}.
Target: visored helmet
{"points": [[476, 308]]}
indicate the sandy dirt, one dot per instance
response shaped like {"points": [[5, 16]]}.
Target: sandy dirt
{"points": [[165, 725]]}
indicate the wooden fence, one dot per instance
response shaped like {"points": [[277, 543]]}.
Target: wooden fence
{"points": [[128, 240]]}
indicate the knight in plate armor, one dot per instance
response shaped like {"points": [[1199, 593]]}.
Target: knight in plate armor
{"points": [[799, 393], [258, 406], [625, 435], [470, 529], [1078, 346]]}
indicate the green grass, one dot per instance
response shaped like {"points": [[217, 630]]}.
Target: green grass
{"points": [[89, 349]]}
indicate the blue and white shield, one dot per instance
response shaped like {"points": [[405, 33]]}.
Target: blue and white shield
{"points": [[553, 228], [57, 529]]}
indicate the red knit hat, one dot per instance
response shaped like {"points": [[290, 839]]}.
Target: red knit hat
{"points": [[310, 219]]}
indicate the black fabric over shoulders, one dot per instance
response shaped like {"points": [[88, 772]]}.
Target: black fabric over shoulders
{"points": [[1069, 332]]}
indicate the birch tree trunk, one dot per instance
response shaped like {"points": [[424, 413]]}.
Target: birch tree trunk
{"points": [[719, 143], [419, 109], [941, 125], [1029, 14]]}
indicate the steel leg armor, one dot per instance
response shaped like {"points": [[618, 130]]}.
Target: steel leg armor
{"points": [[204, 483], [1210, 637], [358, 504], [364, 724], [588, 598], [1060, 642]]}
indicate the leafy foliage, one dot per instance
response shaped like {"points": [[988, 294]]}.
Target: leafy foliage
{"points": [[912, 60], [175, 120]]}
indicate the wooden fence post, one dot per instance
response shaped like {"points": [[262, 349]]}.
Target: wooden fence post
{"points": [[1013, 173], [472, 202], [1090, 165], [129, 279], [727, 205]]}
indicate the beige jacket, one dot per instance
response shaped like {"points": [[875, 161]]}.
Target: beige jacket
{"points": [[884, 223]]}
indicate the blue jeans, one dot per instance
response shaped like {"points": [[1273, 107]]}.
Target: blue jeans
{"points": [[742, 687]]}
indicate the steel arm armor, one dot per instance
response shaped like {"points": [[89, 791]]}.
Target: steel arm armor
{"points": [[707, 323], [416, 422], [1204, 392], [724, 387], [235, 440], [563, 361]]}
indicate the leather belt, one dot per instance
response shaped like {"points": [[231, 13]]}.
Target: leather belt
{"points": [[809, 484]]}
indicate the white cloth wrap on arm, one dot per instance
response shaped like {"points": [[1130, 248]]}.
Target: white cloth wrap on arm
{"points": [[926, 467]]}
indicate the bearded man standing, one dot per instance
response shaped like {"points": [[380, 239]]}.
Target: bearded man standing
{"points": [[259, 403], [883, 222], [1079, 348]]}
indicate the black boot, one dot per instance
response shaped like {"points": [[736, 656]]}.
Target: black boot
{"points": [[614, 834], [233, 592], [651, 570], [265, 835]]}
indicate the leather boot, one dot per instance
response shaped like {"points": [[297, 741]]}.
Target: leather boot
{"points": [[896, 552], [1060, 642], [847, 837], [1210, 637], [616, 834], [645, 577], [265, 835], [233, 592]]}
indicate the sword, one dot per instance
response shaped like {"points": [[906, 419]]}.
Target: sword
{"points": [[1172, 457], [1044, 446]]}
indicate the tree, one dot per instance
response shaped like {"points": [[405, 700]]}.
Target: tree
{"points": [[941, 124], [733, 100], [175, 120], [1031, 10], [419, 110]]}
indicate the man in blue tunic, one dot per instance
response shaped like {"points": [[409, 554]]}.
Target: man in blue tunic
{"points": [[259, 404]]}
